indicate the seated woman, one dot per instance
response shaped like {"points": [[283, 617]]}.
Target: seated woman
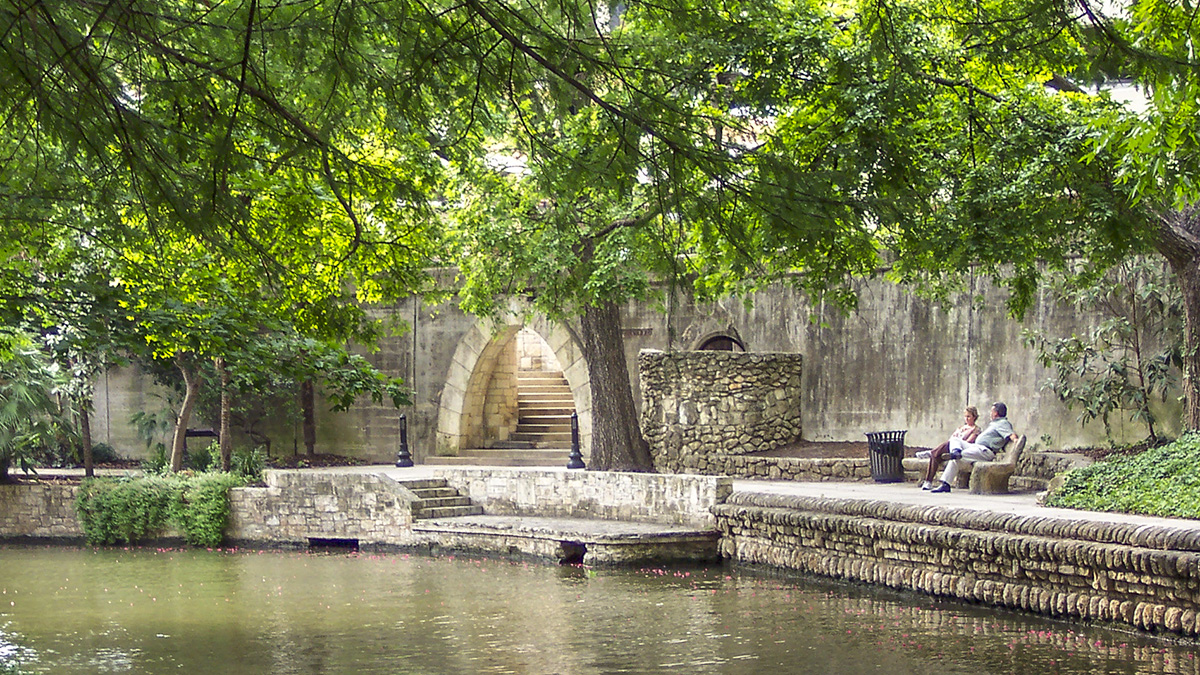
{"points": [[968, 432]]}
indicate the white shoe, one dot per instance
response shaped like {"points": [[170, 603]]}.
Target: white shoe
{"points": [[926, 485], [923, 454]]}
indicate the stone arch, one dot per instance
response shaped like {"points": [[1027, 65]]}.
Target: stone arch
{"points": [[460, 408], [720, 340]]}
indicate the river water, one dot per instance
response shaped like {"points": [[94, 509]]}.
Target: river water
{"points": [[68, 610]]}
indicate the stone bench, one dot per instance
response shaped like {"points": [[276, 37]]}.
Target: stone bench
{"points": [[990, 478]]}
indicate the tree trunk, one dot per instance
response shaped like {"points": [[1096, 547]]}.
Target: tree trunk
{"points": [[85, 438], [617, 441], [308, 412], [1179, 243], [191, 382], [223, 437]]}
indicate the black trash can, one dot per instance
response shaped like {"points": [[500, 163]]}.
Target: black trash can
{"points": [[886, 449]]}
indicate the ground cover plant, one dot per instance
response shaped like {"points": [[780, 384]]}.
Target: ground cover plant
{"points": [[129, 509], [1161, 481]]}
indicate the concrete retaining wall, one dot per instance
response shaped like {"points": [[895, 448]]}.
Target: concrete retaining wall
{"points": [[560, 493], [1148, 577], [896, 362]]}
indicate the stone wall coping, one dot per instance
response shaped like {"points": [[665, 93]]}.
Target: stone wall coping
{"points": [[1149, 536]]}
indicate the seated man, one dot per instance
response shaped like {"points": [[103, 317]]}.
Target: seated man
{"points": [[984, 448]]}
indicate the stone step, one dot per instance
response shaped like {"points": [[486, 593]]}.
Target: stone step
{"points": [[541, 397], [547, 408], [501, 457], [441, 502], [552, 388], [436, 499], [524, 427], [540, 375], [545, 419], [511, 445], [447, 512], [542, 438], [434, 492], [425, 484]]}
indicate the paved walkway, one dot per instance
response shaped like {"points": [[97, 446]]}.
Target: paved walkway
{"points": [[1024, 504]]}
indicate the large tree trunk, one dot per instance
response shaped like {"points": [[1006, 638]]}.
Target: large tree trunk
{"points": [[85, 438], [309, 414], [223, 437], [1179, 241], [617, 441], [191, 381]]}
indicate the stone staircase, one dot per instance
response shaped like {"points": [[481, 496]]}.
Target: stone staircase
{"points": [[544, 407], [436, 499], [542, 436]]}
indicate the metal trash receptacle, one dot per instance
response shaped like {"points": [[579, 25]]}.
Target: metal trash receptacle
{"points": [[886, 449]]}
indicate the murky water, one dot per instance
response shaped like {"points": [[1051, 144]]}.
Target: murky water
{"points": [[68, 610]]}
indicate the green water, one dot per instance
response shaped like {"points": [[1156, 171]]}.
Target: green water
{"points": [[65, 610]]}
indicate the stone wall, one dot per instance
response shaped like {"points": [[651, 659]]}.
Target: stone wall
{"points": [[499, 410], [297, 506], [562, 493], [694, 403], [39, 511], [1144, 576]]}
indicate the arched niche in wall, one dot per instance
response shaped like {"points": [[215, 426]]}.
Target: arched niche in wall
{"points": [[723, 341], [480, 356]]}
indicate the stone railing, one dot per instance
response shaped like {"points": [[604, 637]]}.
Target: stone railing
{"points": [[1145, 576], [674, 499], [699, 403]]}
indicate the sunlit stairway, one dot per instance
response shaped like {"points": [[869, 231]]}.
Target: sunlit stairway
{"points": [[544, 407], [542, 436], [436, 499]]}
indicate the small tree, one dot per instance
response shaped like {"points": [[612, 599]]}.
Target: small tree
{"points": [[29, 413], [1129, 358]]}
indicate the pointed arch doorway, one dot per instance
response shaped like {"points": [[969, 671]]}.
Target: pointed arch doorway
{"points": [[509, 395]]}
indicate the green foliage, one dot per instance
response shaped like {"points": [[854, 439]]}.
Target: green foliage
{"points": [[122, 510], [1162, 481], [200, 506], [157, 462], [30, 419], [204, 458], [126, 510], [151, 427], [103, 453], [1130, 357], [249, 462]]}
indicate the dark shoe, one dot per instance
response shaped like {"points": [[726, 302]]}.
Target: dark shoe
{"points": [[956, 454], [944, 487]]}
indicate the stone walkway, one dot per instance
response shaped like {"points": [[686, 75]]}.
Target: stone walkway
{"points": [[1023, 504]]}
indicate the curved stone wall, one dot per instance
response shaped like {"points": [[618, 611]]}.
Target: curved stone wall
{"points": [[1144, 576], [696, 403]]}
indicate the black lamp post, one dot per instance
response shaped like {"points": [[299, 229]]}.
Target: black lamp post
{"points": [[403, 458], [575, 461]]}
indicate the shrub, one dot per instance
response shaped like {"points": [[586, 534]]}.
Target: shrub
{"points": [[156, 463], [103, 453], [1162, 481], [200, 507], [204, 459], [249, 462], [126, 510]]}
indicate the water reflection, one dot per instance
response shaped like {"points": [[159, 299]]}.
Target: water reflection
{"points": [[150, 611]]}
